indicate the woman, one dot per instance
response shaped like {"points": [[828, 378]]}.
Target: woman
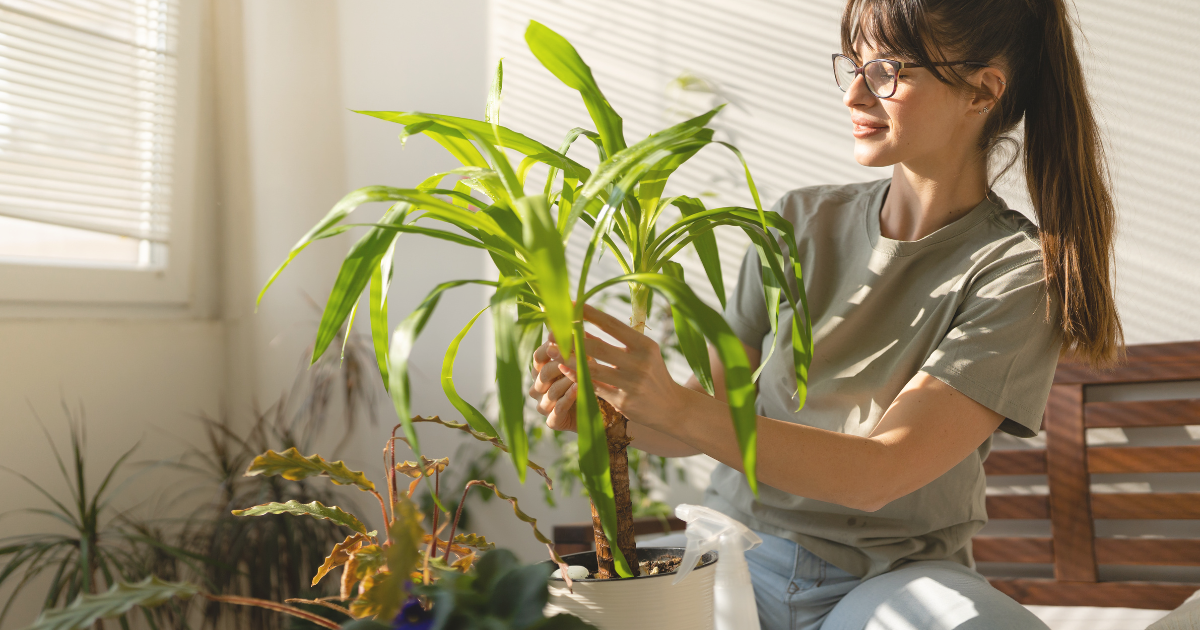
{"points": [[938, 315]]}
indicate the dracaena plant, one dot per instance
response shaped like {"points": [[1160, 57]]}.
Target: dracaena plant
{"points": [[526, 234]]}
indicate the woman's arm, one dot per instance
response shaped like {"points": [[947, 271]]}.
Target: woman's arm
{"points": [[928, 429], [658, 443]]}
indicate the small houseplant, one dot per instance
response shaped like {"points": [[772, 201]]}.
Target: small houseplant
{"points": [[526, 235], [408, 578]]}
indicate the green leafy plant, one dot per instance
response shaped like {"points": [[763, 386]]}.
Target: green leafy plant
{"points": [[272, 558], [97, 547], [432, 580], [526, 235]]}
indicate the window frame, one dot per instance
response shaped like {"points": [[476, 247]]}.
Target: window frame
{"points": [[49, 282]]}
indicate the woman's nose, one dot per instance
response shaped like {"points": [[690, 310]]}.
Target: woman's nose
{"points": [[858, 94]]}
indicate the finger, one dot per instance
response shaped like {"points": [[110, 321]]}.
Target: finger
{"points": [[558, 388], [600, 350], [544, 379], [541, 356], [562, 417], [602, 373], [565, 405], [613, 395], [613, 326]]}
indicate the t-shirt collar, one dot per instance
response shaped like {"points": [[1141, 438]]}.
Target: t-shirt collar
{"points": [[990, 204]]}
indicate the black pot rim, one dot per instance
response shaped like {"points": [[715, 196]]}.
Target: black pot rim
{"points": [[581, 559]]}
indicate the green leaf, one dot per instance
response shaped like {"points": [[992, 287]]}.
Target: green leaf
{"points": [[691, 342], [520, 595], [404, 536], [473, 416], [509, 376], [493, 102], [314, 509], [564, 62], [593, 452], [326, 227], [475, 541], [547, 258], [293, 466], [401, 348], [82, 613], [705, 244], [357, 267], [459, 129], [738, 384], [381, 279], [684, 138]]}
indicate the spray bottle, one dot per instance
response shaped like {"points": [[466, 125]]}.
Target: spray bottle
{"points": [[733, 595]]}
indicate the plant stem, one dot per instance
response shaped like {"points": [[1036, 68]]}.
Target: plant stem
{"points": [[457, 517], [270, 605], [618, 463]]}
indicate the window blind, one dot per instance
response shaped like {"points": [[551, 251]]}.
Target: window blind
{"points": [[87, 114]]}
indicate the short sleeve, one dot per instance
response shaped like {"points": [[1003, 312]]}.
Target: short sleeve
{"points": [[1002, 348], [746, 310]]}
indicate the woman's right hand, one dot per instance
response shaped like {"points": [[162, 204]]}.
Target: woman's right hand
{"points": [[553, 391]]}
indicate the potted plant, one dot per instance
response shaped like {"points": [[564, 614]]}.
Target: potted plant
{"points": [[409, 577], [526, 234]]}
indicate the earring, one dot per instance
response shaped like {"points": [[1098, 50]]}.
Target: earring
{"points": [[985, 110]]}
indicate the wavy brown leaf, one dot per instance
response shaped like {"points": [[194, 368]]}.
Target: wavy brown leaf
{"points": [[293, 466], [341, 554], [490, 439]]}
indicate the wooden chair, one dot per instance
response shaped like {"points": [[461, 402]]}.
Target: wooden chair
{"points": [[1072, 508], [1067, 461]]}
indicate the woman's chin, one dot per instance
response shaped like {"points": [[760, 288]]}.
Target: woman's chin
{"points": [[875, 156]]}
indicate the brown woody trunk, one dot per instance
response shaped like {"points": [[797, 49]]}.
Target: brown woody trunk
{"points": [[618, 462]]}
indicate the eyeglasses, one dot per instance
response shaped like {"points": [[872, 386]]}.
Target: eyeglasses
{"points": [[882, 75]]}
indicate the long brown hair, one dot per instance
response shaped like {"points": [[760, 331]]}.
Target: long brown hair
{"points": [[1065, 169]]}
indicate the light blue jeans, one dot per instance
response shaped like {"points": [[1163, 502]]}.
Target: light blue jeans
{"points": [[796, 590]]}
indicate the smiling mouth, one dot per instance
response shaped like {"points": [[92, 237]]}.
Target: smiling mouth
{"points": [[866, 131]]}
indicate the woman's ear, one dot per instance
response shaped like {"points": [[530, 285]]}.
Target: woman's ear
{"points": [[991, 87]]}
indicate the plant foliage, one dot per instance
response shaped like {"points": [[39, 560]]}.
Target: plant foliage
{"points": [[486, 206]]}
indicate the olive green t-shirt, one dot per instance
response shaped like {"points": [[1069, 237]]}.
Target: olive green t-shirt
{"points": [[966, 305]]}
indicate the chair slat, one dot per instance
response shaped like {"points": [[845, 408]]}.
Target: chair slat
{"points": [[1144, 459], [1153, 505], [1012, 549], [1143, 413], [1016, 462], [1066, 463], [1150, 551], [1150, 595], [1143, 364], [1018, 506]]}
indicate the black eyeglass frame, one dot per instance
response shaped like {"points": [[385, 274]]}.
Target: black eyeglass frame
{"points": [[898, 66]]}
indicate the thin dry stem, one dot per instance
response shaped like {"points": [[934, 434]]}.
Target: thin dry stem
{"points": [[277, 607]]}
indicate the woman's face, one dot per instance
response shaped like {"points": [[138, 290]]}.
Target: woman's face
{"points": [[925, 120]]}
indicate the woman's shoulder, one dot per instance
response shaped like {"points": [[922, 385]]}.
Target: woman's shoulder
{"points": [[801, 203], [1011, 236], [834, 193]]}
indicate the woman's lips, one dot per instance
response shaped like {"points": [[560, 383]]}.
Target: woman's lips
{"points": [[867, 130]]}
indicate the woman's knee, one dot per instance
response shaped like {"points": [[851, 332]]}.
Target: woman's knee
{"points": [[933, 595]]}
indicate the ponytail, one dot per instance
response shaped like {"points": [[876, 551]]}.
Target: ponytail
{"points": [[1065, 168], [1069, 186]]}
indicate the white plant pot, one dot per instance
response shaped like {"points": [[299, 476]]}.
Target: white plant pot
{"points": [[651, 602]]}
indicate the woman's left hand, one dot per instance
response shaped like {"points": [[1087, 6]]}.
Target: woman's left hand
{"points": [[633, 379]]}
